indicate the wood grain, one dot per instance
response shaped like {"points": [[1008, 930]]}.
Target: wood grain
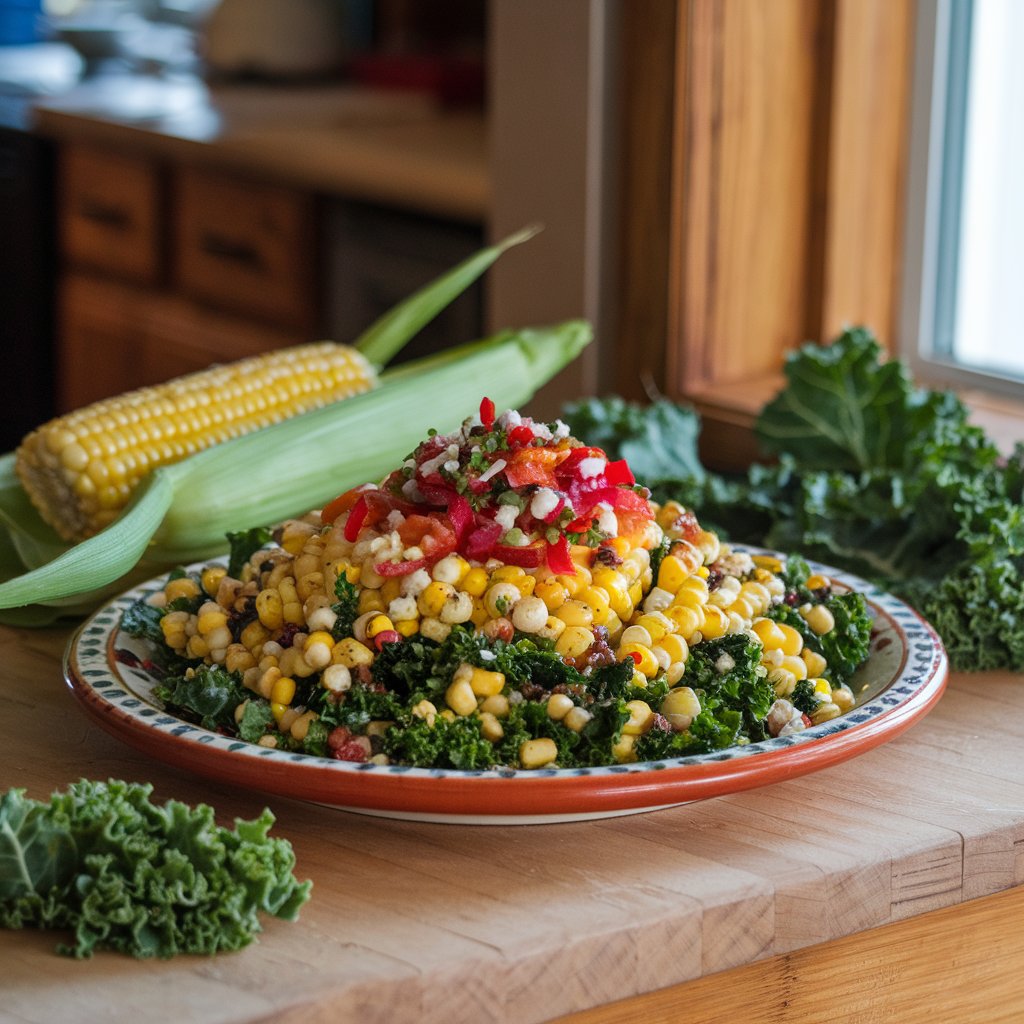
{"points": [[787, 887]]}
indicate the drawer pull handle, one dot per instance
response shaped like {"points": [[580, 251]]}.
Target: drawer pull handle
{"points": [[105, 213], [229, 249]]}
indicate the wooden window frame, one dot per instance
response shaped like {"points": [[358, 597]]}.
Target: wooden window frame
{"points": [[764, 151]]}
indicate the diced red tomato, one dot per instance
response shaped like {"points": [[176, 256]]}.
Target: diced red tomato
{"points": [[432, 534], [480, 540], [537, 466], [632, 511], [520, 435], [344, 745], [460, 512]]}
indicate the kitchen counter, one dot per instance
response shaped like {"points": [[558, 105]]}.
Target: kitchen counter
{"points": [[384, 147], [882, 888]]}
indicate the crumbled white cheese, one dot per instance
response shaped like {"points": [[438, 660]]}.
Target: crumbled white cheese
{"points": [[486, 655], [415, 583], [592, 466], [561, 430], [403, 608], [725, 663], [510, 419], [451, 465], [506, 516], [541, 430], [607, 521], [395, 519], [544, 502], [411, 491], [434, 464]]}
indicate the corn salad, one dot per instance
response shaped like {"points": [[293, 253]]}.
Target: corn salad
{"points": [[507, 597]]}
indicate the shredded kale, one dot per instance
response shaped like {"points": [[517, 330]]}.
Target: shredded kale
{"points": [[119, 872], [346, 608], [207, 694], [243, 545]]}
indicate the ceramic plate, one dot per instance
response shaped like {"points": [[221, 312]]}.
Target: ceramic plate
{"points": [[902, 679]]}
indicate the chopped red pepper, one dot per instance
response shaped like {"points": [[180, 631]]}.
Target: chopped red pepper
{"points": [[480, 541], [356, 518], [460, 512], [487, 413], [618, 472], [529, 556], [559, 557]]}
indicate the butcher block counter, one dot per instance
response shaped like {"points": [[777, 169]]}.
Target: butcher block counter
{"points": [[879, 889]]}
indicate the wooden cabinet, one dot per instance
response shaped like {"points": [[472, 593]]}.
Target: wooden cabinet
{"points": [[168, 267]]}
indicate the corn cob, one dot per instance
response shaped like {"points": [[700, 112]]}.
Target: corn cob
{"points": [[80, 470]]}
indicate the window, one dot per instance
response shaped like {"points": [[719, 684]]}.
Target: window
{"points": [[964, 281]]}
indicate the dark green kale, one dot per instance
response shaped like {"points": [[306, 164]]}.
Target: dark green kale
{"points": [[802, 697], [118, 872], [443, 743], [346, 608], [207, 695], [243, 545]]}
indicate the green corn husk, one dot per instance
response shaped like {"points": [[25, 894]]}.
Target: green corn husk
{"points": [[183, 511]]}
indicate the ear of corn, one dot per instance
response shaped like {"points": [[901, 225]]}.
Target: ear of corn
{"points": [[183, 510], [81, 470]]}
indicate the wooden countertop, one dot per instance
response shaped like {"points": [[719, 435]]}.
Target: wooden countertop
{"points": [[422, 923], [387, 147]]}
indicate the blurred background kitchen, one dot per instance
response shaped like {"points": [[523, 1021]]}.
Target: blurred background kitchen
{"points": [[190, 181]]}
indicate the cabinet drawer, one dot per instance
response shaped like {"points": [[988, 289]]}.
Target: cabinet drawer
{"points": [[110, 210], [247, 247]]}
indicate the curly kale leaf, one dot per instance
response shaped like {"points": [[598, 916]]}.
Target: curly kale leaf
{"points": [[442, 743], [121, 873], [243, 545], [346, 608], [208, 695], [658, 441]]}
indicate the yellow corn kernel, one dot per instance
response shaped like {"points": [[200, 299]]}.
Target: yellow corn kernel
{"points": [[474, 582], [391, 589], [425, 710], [183, 586], [597, 600], [277, 710], [636, 634], [819, 618], [703, 572], [300, 727], [197, 647], [482, 682], [623, 751], [687, 620], [370, 601], [378, 624], [432, 598], [769, 562], [508, 574], [407, 627], [211, 577], [716, 623], [208, 621], [537, 753], [490, 728], [641, 718], [693, 591], [552, 593], [317, 649], [671, 573], [497, 705], [480, 613], [351, 653], [577, 718], [769, 633], [797, 666], [680, 706], [571, 583], [269, 609], [815, 662], [559, 705], [657, 624], [574, 642], [642, 656], [794, 642], [822, 686], [460, 697], [552, 629], [575, 613], [283, 691], [842, 697], [817, 582], [825, 712], [675, 647]]}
